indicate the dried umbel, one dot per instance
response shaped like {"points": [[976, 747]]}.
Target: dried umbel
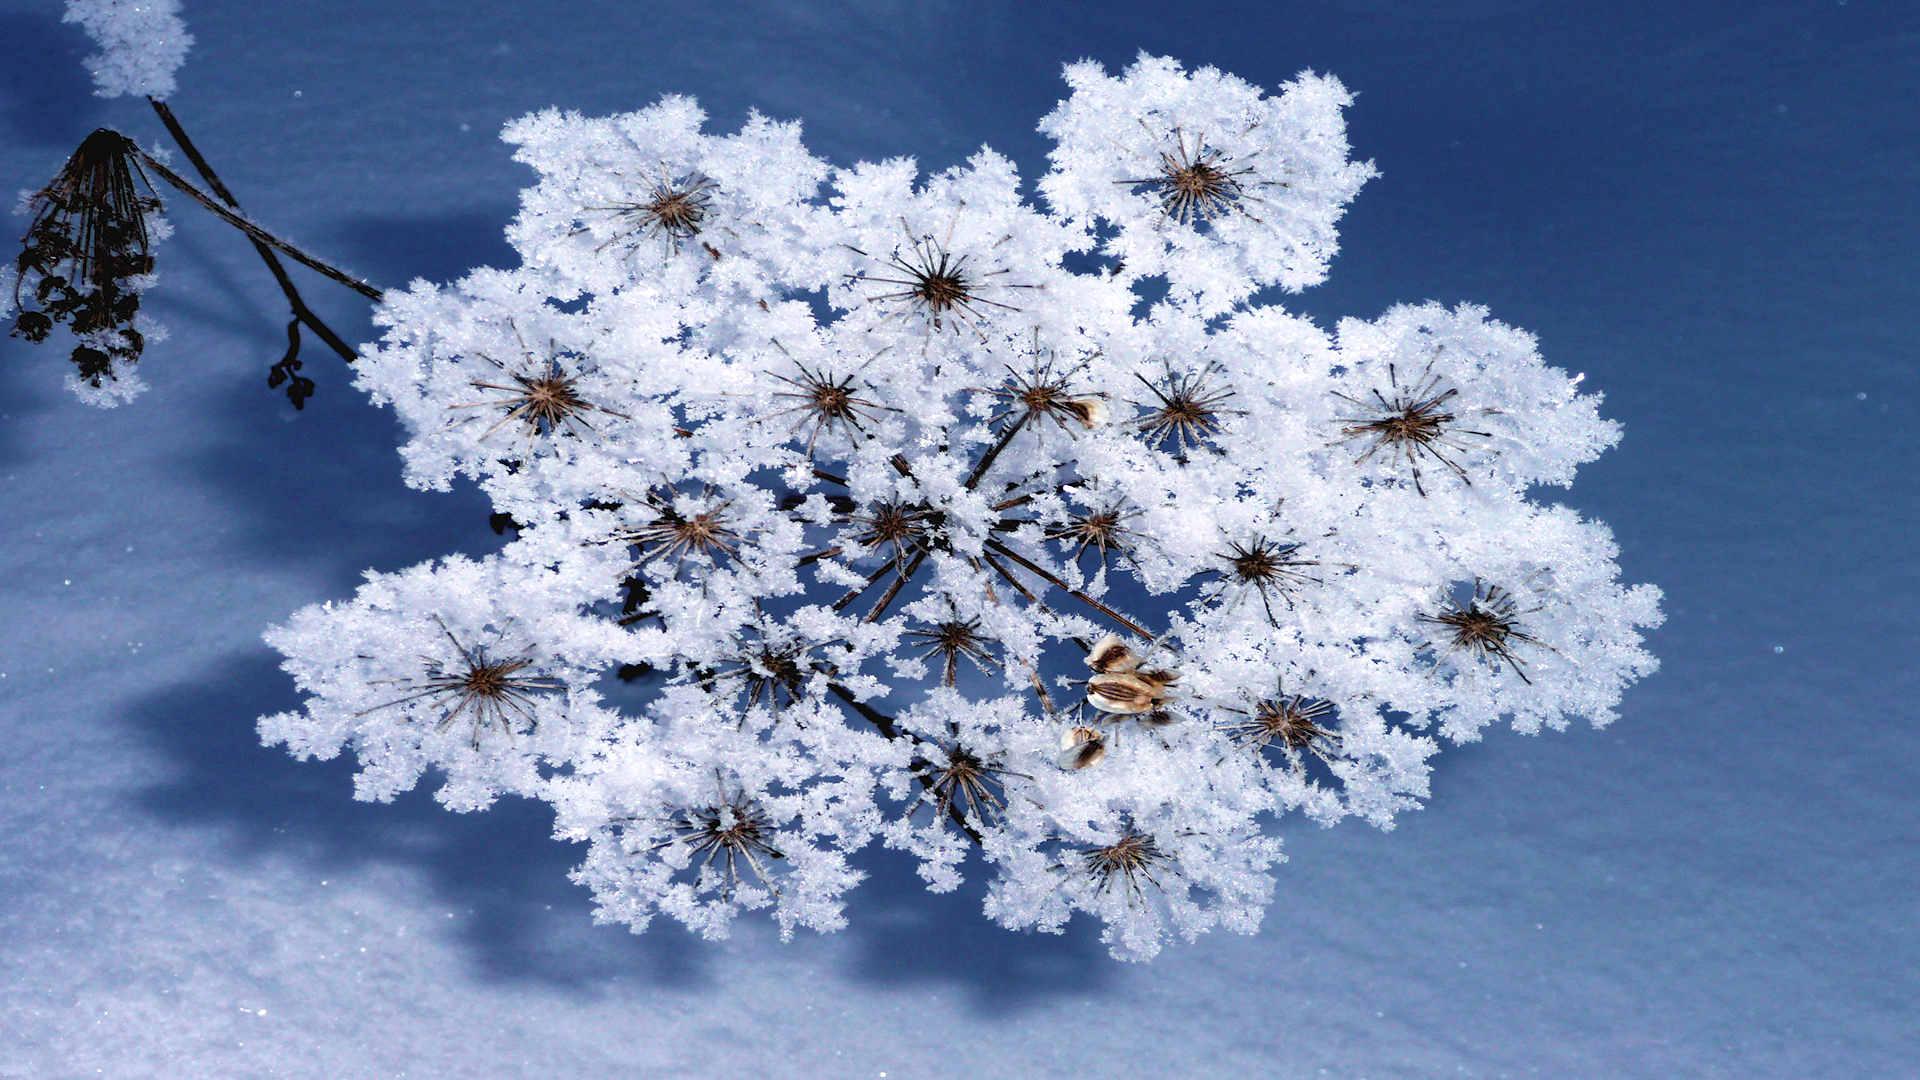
{"points": [[922, 279], [1197, 183], [1186, 409], [1272, 569], [86, 257], [676, 535], [1102, 532], [730, 837], [1080, 602], [1411, 423], [539, 397], [1485, 626], [764, 666], [1292, 722], [493, 693], [1044, 391], [965, 786], [953, 639], [1128, 863], [673, 211], [823, 403]]}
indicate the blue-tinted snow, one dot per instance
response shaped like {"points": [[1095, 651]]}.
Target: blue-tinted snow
{"points": [[1711, 212]]}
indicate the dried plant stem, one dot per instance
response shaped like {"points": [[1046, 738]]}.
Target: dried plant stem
{"points": [[301, 312], [993, 452], [255, 232], [1008, 553]]}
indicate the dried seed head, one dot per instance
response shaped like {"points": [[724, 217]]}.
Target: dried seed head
{"points": [[1042, 392], [1486, 626], [491, 692], [1130, 693], [953, 639], [773, 669], [542, 398], [1291, 721], [1412, 423], [1129, 860], [549, 399], [1272, 568], [1102, 531], [922, 279], [1197, 185], [907, 528], [1111, 654], [678, 209], [965, 783], [86, 248], [677, 536], [938, 288], [1186, 410], [825, 403], [673, 210], [735, 832]]}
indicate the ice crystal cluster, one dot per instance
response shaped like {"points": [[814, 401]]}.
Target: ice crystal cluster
{"points": [[859, 508], [140, 44]]}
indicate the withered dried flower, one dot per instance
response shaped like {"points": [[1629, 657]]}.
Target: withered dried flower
{"points": [[85, 256]]}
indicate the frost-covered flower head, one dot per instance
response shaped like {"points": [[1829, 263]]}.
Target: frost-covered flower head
{"points": [[1202, 177], [646, 199], [901, 526]]}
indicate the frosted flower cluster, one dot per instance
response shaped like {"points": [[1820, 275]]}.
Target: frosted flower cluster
{"points": [[867, 509], [140, 44]]}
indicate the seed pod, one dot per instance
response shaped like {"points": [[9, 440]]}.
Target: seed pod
{"points": [[1081, 747], [1128, 693], [1111, 654], [1090, 411]]}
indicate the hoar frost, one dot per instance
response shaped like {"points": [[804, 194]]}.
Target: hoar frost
{"points": [[897, 531], [140, 45]]}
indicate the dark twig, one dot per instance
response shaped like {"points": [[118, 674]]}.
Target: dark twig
{"points": [[1050, 578], [299, 387], [226, 214]]}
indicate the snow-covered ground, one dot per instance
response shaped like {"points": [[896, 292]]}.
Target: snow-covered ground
{"points": [[1710, 213]]}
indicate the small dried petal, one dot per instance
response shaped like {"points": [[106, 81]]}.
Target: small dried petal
{"points": [[1082, 747], [1110, 653]]}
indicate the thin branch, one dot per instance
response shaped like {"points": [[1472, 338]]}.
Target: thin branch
{"points": [[301, 312], [1003, 550], [880, 608], [258, 234], [993, 452]]}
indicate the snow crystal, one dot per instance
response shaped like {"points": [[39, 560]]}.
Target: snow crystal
{"points": [[142, 43]]}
